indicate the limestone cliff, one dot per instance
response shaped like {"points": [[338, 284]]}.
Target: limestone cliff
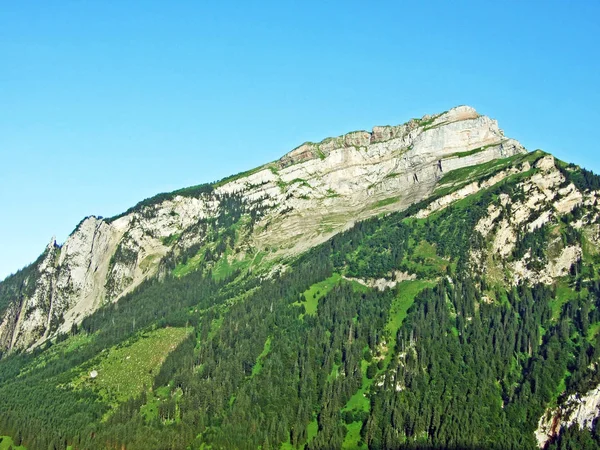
{"points": [[311, 193], [577, 410], [544, 197]]}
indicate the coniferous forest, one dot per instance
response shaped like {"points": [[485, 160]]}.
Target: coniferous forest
{"points": [[310, 357]]}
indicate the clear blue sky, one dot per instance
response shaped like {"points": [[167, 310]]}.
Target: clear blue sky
{"points": [[105, 103]]}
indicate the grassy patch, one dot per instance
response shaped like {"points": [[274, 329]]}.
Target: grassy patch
{"points": [[408, 290], [593, 331], [6, 442], [148, 261], [426, 123], [316, 291], [301, 182], [127, 369], [470, 173], [334, 372], [359, 401], [425, 250], [331, 193], [326, 226], [224, 268], [215, 326], [237, 176], [168, 240], [258, 258], [385, 202], [590, 251], [281, 184], [191, 264], [149, 410], [562, 386], [260, 359], [359, 287], [445, 189], [312, 429], [425, 262], [471, 152], [352, 436], [563, 294]]}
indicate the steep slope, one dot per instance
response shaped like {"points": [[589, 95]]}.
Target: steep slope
{"points": [[280, 210], [469, 319]]}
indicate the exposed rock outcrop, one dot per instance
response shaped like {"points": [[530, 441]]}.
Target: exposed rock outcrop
{"points": [[577, 410], [382, 284], [327, 187], [310, 194], [541, 198]]}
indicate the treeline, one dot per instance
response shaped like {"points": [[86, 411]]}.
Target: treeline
{"points": [[583, 179], [194, 191], [16, 286], [234, 218]]}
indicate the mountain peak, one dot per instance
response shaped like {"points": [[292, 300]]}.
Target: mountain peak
{"points": [[301, 200], [274, 259], [461, 112], [408, 132]]}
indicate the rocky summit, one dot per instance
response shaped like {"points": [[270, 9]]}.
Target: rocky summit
{"points": [[310, 194], [426, 285]]}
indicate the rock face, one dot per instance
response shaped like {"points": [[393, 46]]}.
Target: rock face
{"points": [[326, 187], [541, 198], [307, 196], [577, 410], [100, 261]]}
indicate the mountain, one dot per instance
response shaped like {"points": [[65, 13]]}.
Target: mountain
{"points": [[427, 285], [307, 196]]}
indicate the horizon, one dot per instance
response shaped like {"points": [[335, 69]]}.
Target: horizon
{"points": [[106, 105]]}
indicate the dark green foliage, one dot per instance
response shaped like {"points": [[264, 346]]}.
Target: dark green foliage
{"points": [[194, 191], [534, 243], [576, 439], [370, 250], [473, 364], [583, 179], [20, 284], [180, 359], [440, 371]]}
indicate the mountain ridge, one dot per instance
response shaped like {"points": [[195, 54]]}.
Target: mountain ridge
{"points": [[104, 259], [393, 280]]}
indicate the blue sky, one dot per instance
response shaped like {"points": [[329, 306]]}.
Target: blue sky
{"points": [[105, 103]]}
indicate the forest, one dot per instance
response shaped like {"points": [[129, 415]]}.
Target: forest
{"points": [[312, 358]]}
